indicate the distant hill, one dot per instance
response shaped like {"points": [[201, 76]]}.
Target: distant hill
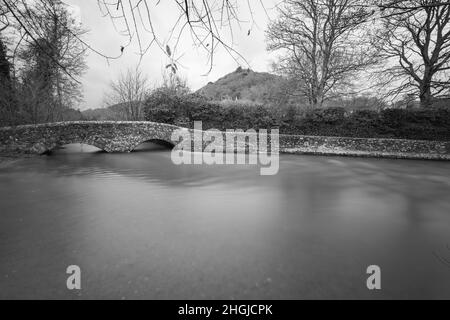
{"points": [[244, 84]]}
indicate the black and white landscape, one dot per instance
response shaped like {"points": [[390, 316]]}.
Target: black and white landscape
{"points": [[224, 149]]}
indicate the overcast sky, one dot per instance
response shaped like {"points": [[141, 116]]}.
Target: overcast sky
{"points": [[193, 66]]}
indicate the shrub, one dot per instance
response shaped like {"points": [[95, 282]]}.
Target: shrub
{"points": [[162, 106], [161, 114], [326, 115], [393, 117]]}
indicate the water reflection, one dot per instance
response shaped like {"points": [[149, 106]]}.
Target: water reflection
{"points": [[142, 227]]}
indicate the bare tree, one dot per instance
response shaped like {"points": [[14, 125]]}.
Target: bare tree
{"points": [[406, 6], [323, 45], [6, 18], [54, 50], [46, 55], [129, 92], [8, 105], [174, 84], [30, 22], [415, 38], [209, 23]]}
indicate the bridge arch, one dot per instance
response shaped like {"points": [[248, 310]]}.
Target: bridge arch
{"points": [[168, 144], [76, 147], [46, 147]]}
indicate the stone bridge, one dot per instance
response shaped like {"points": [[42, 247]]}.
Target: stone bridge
{"points": [[125, 136], [110, 136]]}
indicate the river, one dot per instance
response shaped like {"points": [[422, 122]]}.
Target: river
{"points": [[140, 227]]}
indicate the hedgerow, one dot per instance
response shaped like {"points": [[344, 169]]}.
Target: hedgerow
{"points": [[420, 124]]}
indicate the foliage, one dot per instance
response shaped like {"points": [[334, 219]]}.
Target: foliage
{"points": [[429, 124], [162, 106]]}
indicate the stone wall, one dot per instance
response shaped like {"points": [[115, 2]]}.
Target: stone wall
{"points": [[124, 136], [386, 148]]}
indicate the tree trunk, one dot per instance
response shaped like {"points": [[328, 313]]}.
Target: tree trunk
{"points": [[425, 96]]}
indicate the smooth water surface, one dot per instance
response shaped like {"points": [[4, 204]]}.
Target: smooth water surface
{"points": [[141, 227]]}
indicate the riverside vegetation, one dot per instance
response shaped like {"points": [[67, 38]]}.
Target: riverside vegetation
{"points": [[419, 124]]}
